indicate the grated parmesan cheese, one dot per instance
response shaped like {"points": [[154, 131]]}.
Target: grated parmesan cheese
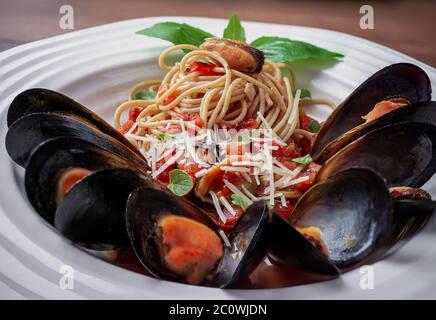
{"points": [[216, 203], [228, 206]]}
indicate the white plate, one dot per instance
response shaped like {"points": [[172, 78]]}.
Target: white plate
{"points": [[97, 66]]}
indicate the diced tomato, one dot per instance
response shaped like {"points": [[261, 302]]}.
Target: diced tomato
{"points": [[164, 177], [287, 163], [226, 227], [247, 123], [290, 151], [305, 121], [126, 126], [305, 185], [231, 176], [173, 96], [311, 171], [284, 211], [134, 113], [231, 220], [203, 68], [225, 192], [164, 88], [194, 118], [190, 168]]}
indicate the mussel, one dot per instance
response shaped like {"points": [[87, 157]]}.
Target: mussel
{"points": [[176, 241], [404, 154], [26, 133], [239, 55], [424, 112], [348, 220], [92, 213], [344, 221], [37, 100], [413, 208], [58, 163], [401, 81]]}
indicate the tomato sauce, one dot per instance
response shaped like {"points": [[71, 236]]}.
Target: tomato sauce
{"points": [[204, 69]]}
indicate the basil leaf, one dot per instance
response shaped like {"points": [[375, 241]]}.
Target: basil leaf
{"points": [[164, 136], [314, 126], [167, 137], [286, 50], [180, 182], [177, 33], [304, 94], [240, 201], [145, 95], [234, 30], [303, 160]]}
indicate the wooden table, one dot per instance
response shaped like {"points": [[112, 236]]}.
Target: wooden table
{"points": [[407, 26]]}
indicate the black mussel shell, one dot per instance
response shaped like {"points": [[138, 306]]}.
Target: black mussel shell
{"points": [[404, 154], [54, 157], [25, 134], [146, 206], [353, 213], [43, 100], [248, 245], [290, 247], [401, 80], [410, 216], [92, 213], [424, 112]]}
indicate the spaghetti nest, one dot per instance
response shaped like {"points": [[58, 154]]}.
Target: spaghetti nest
{"points": [[203, 86]]}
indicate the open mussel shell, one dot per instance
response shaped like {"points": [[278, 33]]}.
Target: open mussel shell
{"points": [[404, 154], [290, 247], [248, 245], [55, 158], [423, 112], [351, 213], [43, 100], [410, 216], [25, 134], [92, 213], [401, 80], [146, 209]]}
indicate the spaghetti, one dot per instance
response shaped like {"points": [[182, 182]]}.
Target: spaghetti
{"points": [[205, 91]]}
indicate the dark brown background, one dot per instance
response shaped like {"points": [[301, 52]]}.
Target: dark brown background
{"points": [[407, 26]]}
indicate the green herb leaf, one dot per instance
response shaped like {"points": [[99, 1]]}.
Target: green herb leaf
{"points": [[303, 160], [145, 95], [164, 136], [305, 94], [286, 50], [177, 33], [314, 126], [240, 201], [167, 137], [180, 182], [234, 30]]}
